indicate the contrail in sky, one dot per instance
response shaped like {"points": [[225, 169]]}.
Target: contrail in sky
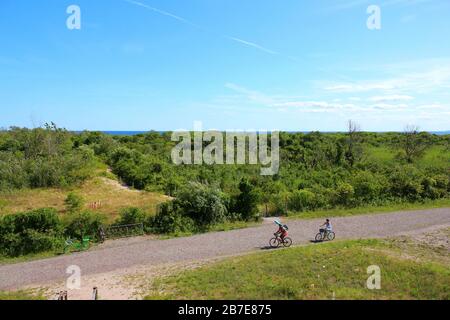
{"points": [[251, 44], [165, 13], [173, 16]]}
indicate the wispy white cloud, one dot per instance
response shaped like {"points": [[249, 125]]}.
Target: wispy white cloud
{"points": [[285, 103], [394, 97], [317, 106], [426, 81], [387, 105], [359, 87], [433, 106]]}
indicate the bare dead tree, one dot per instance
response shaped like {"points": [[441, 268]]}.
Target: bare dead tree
{"points": [[413, 144], [354, 150]]}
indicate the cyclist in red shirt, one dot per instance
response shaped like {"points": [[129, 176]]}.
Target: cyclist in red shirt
{"points": [[282, 230]]}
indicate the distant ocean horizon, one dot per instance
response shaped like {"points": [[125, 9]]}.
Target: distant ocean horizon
{"points": [[133, 133]]}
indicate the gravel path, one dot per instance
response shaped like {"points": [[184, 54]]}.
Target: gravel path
{"points": [[125, 254]]}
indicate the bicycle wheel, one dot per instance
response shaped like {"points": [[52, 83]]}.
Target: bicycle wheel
{"points": [[331, 236], [274, 243], [319, 237], [287, 242]]}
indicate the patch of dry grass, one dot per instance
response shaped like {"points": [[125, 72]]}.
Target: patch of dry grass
{"points": [[111, 195]]}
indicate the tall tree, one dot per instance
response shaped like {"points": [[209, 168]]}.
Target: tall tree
{"points": [[247, 201]]}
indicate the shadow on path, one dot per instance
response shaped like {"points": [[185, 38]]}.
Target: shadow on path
{"points": [[268, 248]]}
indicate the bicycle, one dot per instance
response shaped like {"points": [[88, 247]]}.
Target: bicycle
{"points": [[277, 242], [76, 245], [325, 235]]}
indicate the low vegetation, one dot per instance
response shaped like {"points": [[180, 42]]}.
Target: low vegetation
{"points": [[90, 179], [326, 271]]}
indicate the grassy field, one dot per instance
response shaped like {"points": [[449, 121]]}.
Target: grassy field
{"points": [[110, 193], [19, 295], [28, 257], [433, 157], [381, 155], [324, 271]]}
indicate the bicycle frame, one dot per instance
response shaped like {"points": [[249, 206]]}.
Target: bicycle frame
{"points": [[77, 245]]}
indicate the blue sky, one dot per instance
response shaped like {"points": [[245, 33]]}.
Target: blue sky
{"points": [[232, 64]]}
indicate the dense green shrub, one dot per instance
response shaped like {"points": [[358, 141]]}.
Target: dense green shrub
{"points": [[30, 232], [324, 196], [204, 204], [442, 181], [434, 188], [84, 224], [301, 200], [131, 216], [406, 182], [344, 194], [12, 173], [139, 170], [42, 230], [170, 220], [279, 203], [368, 186], [74, 202], [42, 157], [196, 207]]}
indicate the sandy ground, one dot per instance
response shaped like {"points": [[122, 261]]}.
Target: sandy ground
{"points": [[116, 184], [124, 284], [439, 238]]}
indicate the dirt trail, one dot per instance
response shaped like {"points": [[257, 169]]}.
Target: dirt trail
{"points": [[150, 252]]}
